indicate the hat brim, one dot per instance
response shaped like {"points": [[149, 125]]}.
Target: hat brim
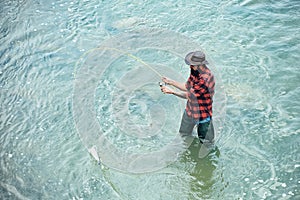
{"points": [[188, 60]]}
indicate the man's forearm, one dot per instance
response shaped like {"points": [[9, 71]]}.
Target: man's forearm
{"points": [[178, 85], [180, 94]]}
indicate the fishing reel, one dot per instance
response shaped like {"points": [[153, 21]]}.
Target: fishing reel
{"points": [[162, 84]]}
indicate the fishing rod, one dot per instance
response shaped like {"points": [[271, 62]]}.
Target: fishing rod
{"points": [[122, 52]]}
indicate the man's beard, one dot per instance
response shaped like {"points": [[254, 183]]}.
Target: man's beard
{"points": [[195, 72]]}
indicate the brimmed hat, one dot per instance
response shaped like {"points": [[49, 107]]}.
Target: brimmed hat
{"points": [[195, 58]]}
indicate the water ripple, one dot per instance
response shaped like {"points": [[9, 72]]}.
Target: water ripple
{"points": [[253, 43]]}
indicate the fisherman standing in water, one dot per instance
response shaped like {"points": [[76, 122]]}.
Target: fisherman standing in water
{"points": [[199, 91]]}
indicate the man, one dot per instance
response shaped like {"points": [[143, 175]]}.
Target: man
{"points": [[199, 91]]}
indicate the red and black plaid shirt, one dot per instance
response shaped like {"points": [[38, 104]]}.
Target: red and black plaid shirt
{"points": [[200, 91]]}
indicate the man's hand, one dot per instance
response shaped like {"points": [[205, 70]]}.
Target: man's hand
{"points": [[167, 80], [178, 85], [167, 90]]}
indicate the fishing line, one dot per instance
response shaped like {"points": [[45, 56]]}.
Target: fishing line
{"points": [[93, 150], [122, 52], [88, 68]]}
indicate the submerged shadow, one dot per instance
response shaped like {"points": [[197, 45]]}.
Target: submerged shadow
{"points": [[202, 178]]}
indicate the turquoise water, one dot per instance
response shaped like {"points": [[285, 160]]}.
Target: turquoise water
{"points": [[252, 45]]}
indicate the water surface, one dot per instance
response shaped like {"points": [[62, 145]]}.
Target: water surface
{"points": [[253, 44]]}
